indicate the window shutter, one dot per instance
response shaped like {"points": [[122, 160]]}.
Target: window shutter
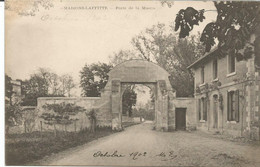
{"points": [[199, 109], [237, 105], [228, 106], [205, 110]]}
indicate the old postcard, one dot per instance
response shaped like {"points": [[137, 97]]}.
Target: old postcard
{"points": [[132, 83]]}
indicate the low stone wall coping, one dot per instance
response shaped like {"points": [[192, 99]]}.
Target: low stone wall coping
{"points": [[68, 98], [28, 107], [184, 98]]}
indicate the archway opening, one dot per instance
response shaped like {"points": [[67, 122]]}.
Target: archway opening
{"points": [[138, 104]]}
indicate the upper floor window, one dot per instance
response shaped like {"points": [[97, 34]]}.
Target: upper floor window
{"points": [[202, 75], [215, 69], [231, 64], [233, 106]]}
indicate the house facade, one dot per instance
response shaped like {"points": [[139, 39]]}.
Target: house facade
{"points": [[227, 94]]}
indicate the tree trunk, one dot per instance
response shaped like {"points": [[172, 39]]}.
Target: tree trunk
{"points": [[55, 132], [94, 125], [41, 125], [75, 126], [25, 129]]}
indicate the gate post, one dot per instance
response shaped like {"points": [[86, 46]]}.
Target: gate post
{"points": [[162, 106], [115, 99]]}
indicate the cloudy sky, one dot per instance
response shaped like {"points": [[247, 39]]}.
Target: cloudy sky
{"points": [[64, 40]]}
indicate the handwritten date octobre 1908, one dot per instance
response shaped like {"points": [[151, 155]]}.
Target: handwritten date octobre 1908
{"points": [[135, 155]]}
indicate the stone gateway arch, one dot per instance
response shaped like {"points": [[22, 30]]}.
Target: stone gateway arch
{"points": [[135, 72], [171, 113]]}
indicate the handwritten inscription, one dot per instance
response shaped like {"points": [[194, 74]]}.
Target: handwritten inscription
{"points": [[164, 156], [135, 155], [106, 154], [167, 155]]}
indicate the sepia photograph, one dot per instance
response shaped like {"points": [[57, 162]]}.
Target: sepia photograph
{"points": [[131, 83]]}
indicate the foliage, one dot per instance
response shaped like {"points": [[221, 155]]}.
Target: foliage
{"points": [[29, 117], [92, 115], [93, 78], [154, 42], [67, 84], [129, 100], [45, 83], [235, 23], [186, 19], [146, 113], [8, 88], [28, 7], [61, 113], [121, 56], [160, 45], [13, 115]]}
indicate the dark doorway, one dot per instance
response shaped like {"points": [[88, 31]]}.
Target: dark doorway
{"points": [[180, 118]]}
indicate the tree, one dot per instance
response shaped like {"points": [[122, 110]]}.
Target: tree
{"points": [[121, 56], [160, 45], [67, 84], [13, 115], [235, 23], [45, 83], [93, 78], [61, 114], [8, 88], [129, 100], [28, 118], [53, 84], [28, 8], [154, 43], [92, 115]]}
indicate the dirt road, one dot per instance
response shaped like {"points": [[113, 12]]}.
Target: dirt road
{"points": [[139, 145]]}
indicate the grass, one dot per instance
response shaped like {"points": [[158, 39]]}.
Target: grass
{"points": [[25, 148]]}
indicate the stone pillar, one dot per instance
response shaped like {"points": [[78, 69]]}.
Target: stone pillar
{"points": [[115, 99], [171, 111], [162, 106]]}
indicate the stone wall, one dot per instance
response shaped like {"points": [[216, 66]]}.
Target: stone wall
{"points": [[20, 128], [189, 104], [83, 122]]}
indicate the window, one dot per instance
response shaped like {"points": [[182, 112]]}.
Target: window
{"points": [[231, 64], [203, 109], [200, 109], [233, 106], [204, 104], [215, 69], [202, 74]]}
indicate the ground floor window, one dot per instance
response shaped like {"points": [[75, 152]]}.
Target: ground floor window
{"points": [[233, 106]]}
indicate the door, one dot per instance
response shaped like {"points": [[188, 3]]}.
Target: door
{"points": [[180, 118], [215, 111]]}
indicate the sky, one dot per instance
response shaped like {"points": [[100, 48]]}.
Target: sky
{"points": [[64, 40]]}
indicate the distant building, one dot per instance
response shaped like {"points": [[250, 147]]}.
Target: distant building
{"points": [[227, 94]]}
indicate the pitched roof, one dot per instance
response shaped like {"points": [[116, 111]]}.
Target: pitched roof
{"points": [[204, 58]]}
